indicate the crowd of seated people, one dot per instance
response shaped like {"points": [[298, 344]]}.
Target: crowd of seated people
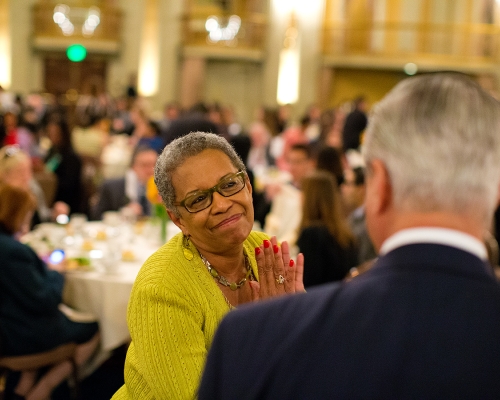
{"points": [[74, 152], [305, 191]]}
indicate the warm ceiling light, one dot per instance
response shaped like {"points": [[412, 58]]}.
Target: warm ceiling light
{"points": [[219, 33]]}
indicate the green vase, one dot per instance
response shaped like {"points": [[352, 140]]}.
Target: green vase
{"points": [[160, 213]]}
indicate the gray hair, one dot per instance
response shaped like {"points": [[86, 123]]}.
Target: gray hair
{"points": [[10, 157], [439, 137], [178, 151]]}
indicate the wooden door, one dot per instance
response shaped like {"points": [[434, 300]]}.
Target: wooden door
{"points": [[85, 77]]}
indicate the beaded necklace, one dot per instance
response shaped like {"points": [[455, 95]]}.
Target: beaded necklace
{"points": [[223, 281]]}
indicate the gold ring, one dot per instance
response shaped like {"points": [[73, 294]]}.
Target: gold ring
{"points": [[280, 279]]}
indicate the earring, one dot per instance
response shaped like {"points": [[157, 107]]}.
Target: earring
{"points": [[188, 254]]}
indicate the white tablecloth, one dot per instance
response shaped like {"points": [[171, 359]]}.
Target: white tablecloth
{"points": [[106, 295]]}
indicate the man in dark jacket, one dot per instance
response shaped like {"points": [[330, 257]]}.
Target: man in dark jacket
{"points": [[423, 322]]}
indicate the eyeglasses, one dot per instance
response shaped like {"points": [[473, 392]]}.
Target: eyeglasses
{"points": [[202, 199]]}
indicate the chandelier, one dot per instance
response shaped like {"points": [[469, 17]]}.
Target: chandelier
{"points": [[86, 19], [220, 30]]}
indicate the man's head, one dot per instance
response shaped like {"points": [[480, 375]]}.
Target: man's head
{"points": [[143, 163], [432, 147], [300, 162], [353, 188]]}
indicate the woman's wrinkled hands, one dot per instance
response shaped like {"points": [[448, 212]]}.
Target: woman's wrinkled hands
{"points": [[278, 273]]}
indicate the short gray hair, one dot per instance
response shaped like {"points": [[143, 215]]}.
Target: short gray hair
{"points": [[439, 137], [10, 157], [175, 153]]}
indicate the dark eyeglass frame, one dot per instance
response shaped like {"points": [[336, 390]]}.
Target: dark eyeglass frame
{"points": [[210, 192]]}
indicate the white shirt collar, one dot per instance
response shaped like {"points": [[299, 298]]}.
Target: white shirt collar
{"points": [[131, 185], [447, 237]]}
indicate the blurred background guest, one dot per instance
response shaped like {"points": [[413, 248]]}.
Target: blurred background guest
{"points": [[355, 123], [16, 170], [241, 143], [121, 121], [30, 292], [129, 191], [295, 134], [329, 160], [324, 237], [171, 111], [62, 160], [151, 137], [196, 119], [286, 204], [353, 191], [18, 135], [260, 133], [89, 140]]}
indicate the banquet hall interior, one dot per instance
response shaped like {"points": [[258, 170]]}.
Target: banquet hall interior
{"points": [[110, 76]]}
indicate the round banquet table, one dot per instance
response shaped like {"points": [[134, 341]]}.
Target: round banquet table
{"points": [[105, 294]]}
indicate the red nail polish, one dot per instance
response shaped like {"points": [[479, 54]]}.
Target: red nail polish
{"points": [[275, 248], [267, 243], [257, 251], [291, 263]]}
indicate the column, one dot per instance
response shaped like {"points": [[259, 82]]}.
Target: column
{"points": [[392, 19], [170, 41], [309, 17], [23, 76], [310, 24], [192, 80], [5, 55], [149, 63], [123, 67]]}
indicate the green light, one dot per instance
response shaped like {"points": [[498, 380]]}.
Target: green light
{"points": [[76, 52]]}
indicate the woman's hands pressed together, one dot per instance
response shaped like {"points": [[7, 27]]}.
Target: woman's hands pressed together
{"points": [[278, 273]]}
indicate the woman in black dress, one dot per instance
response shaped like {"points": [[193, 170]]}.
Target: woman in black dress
{"points": [[66, 164], [324, 236]]}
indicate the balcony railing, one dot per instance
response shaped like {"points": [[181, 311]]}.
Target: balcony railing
{"points": [[104, 27], [466, 45], [224, 33]]}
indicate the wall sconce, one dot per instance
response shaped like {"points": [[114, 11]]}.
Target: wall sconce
{"points": [[289, 65]]}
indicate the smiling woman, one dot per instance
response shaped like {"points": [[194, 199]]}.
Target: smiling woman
{"points": [[215, 264]]}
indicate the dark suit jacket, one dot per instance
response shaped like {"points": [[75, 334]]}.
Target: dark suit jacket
{"points": [[111, 197], [355, 124], [423, 323], [30, 320]]}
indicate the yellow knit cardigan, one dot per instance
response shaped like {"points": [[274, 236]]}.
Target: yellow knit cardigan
{"points": [[173, 312]]}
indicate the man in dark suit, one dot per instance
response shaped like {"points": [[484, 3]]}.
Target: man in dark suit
{"points": [[129, 191], [423, 322], [355, 124]]}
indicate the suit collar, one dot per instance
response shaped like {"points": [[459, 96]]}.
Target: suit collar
{"points": [[447, 237], [434, 257]]}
